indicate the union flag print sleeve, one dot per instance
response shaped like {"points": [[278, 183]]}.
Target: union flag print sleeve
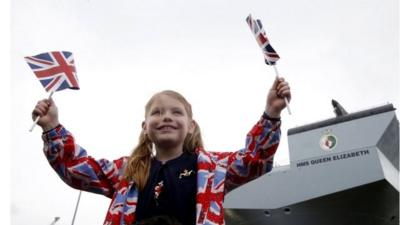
{"points": [[76, 168], [256, 158]]}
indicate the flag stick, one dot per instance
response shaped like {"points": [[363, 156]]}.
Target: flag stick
{"points": [[38, 117], [286, 101]]}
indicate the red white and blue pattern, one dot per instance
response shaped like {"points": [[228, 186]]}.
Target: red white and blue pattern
{"points": [[55, 70], [158, 189], [218, 172], [258, 31]]}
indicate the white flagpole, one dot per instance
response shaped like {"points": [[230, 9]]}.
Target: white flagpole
{"points": [[38, 117], [286, 101], [76, 208]]}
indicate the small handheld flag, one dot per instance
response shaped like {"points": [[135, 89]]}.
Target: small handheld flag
{"points": [[270, 55], [55, 71], [258, 31]]}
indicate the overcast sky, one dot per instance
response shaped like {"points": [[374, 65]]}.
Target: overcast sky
{"points": [[125, 51]]}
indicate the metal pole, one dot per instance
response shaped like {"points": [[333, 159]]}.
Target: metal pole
{"points": [[76, 208], [55, 220]]}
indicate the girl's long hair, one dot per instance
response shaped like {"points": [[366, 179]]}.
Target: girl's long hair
{"points": [[139, 162]]}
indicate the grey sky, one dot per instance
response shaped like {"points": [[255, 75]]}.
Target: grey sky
{"points": [[125, 51]]}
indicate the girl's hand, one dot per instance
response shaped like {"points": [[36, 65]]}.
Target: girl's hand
{"points": [[47, 110], [276, 97]]}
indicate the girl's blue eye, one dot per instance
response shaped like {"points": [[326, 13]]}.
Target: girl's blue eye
{"points": [[155, 112], [177, 112]]}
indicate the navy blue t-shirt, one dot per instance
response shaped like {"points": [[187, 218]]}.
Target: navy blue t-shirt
{"points": [[170, 190]]}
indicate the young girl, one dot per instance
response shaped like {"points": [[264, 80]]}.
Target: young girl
{"points": [[181, 180]]}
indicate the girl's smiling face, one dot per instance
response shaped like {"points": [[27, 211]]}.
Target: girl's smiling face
{"points": [[167, 123]]}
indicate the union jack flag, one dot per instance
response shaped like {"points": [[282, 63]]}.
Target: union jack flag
{"points": [[258, 31], [55, 70]]}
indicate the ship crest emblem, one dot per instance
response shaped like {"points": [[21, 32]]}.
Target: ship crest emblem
{"points": [[328, 141]]}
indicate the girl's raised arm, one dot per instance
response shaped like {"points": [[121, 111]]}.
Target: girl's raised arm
{"points": [[262, 141], [70, 161]]}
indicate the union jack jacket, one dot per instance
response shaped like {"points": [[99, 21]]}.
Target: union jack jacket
{"points": [[217, 172]]}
